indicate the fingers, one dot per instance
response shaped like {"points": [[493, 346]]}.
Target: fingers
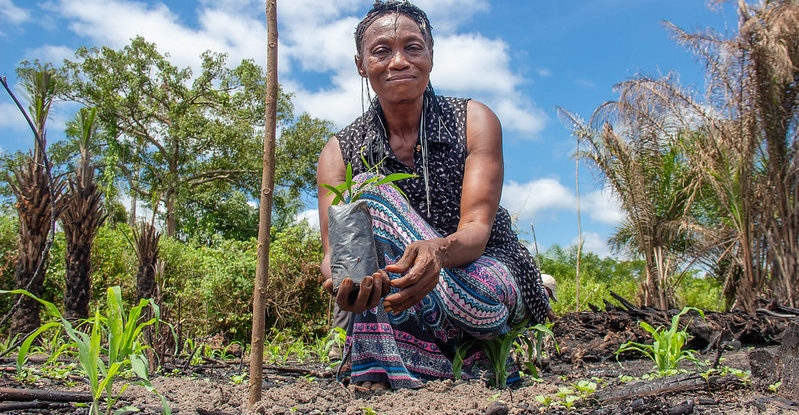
{"points": [[386, 284], [368, 294], [376, 291], [414, 274], [402, 265], [343, 295], [411, 295], [328, 285]]}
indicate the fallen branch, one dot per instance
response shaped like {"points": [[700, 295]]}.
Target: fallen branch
{"points": [[17, 406], [671, 384], [13, 394], [300, 371]]}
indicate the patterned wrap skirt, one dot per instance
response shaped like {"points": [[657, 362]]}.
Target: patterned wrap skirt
{"points": [[480, 300]]}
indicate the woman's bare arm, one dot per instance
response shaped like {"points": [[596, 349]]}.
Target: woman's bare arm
{"points": [[482, 188]]}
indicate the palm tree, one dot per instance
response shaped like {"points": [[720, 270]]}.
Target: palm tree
{"points": [[38, 201], [81, 218], [146, 246], [747, 147]]}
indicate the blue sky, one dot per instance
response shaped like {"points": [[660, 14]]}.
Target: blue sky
{"points": [[522, 58]]}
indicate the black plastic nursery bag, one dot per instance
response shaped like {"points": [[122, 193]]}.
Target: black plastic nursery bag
{"points": [[352, 245]]}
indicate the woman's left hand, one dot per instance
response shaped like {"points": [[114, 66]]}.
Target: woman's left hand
{"points": [[423, 261]]}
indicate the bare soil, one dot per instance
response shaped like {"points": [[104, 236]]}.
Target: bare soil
{"points": [[209, 389]]}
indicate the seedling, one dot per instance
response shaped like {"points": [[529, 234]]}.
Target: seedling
{"points": [[534, 340], [496, 350], [352, 248], [124, 351], [774, 387], [667, 349]]}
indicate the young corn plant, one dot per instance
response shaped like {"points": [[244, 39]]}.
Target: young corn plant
{"points": [[496, 350], [666, 351], [124, 350], [534, 340]]}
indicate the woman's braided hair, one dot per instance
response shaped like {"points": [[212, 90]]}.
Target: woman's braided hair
{"points": [[381, 8]]}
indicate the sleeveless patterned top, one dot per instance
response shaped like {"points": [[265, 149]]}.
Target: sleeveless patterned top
{"points": [[445, 132]]}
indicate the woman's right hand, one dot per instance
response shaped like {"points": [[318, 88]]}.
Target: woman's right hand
{"points": [[371, 289]]}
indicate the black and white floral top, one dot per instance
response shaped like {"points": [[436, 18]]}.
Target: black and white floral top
{"points": [[445, 132]]}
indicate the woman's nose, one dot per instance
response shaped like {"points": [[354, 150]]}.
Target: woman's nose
{"points": [[398, 61]]}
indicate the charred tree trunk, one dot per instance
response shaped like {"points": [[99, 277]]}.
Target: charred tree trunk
{"points": [[32, 190], [82, 216], [147, 250]]}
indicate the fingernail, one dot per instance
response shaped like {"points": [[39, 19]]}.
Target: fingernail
{"points": [[367, 283]]}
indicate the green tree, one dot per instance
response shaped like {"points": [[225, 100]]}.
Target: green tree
{"points": [[174, 134]]}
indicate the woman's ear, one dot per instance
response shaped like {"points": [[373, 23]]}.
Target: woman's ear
{"points": [[359, 66]]}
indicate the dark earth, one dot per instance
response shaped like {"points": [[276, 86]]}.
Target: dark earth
{"points": [[756, 357]]}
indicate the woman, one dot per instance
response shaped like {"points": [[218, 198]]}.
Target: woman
{"points": [[452, 267]]}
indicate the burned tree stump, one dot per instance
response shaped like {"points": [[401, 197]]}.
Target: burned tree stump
{"points": [[595, 336], [782, 366]]}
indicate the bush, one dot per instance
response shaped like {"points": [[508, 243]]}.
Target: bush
{"points": [[600, 276], [9, 234], [209, 287], [205, 286]]}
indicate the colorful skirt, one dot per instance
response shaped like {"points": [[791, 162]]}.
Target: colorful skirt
{"points": [[480, 300]]}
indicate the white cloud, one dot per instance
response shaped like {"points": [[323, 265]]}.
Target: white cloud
{"points": [[11, 117], [520, 116], [50, 53], [603, 206], [471, 62], [322, 47], [446, 15], [314, 37], [114, 22], [592, 242], [543, 72], [13, 14], [527, 199], [311, 216]]}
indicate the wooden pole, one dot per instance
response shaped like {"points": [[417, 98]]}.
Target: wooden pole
{"points": [[265, 210]]}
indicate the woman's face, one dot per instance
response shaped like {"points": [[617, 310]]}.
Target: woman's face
{"points": [[396, 58]]}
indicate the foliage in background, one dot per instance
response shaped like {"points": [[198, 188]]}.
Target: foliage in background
{"points": [[711, 178], [600, 276], [184, 139]]}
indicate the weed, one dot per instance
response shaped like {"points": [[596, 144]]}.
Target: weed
{"points": [[497, 351], [237, 379], [667, 349], [585, 388]]}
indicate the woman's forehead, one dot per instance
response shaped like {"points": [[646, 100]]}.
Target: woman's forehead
{"points": [[389, 24]]}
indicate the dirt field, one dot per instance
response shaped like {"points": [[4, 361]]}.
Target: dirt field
{"points": [[620, 388]]}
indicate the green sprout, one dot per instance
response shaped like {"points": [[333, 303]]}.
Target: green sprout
{"points": [[124, 350], [666, 351], [350, 191]]}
